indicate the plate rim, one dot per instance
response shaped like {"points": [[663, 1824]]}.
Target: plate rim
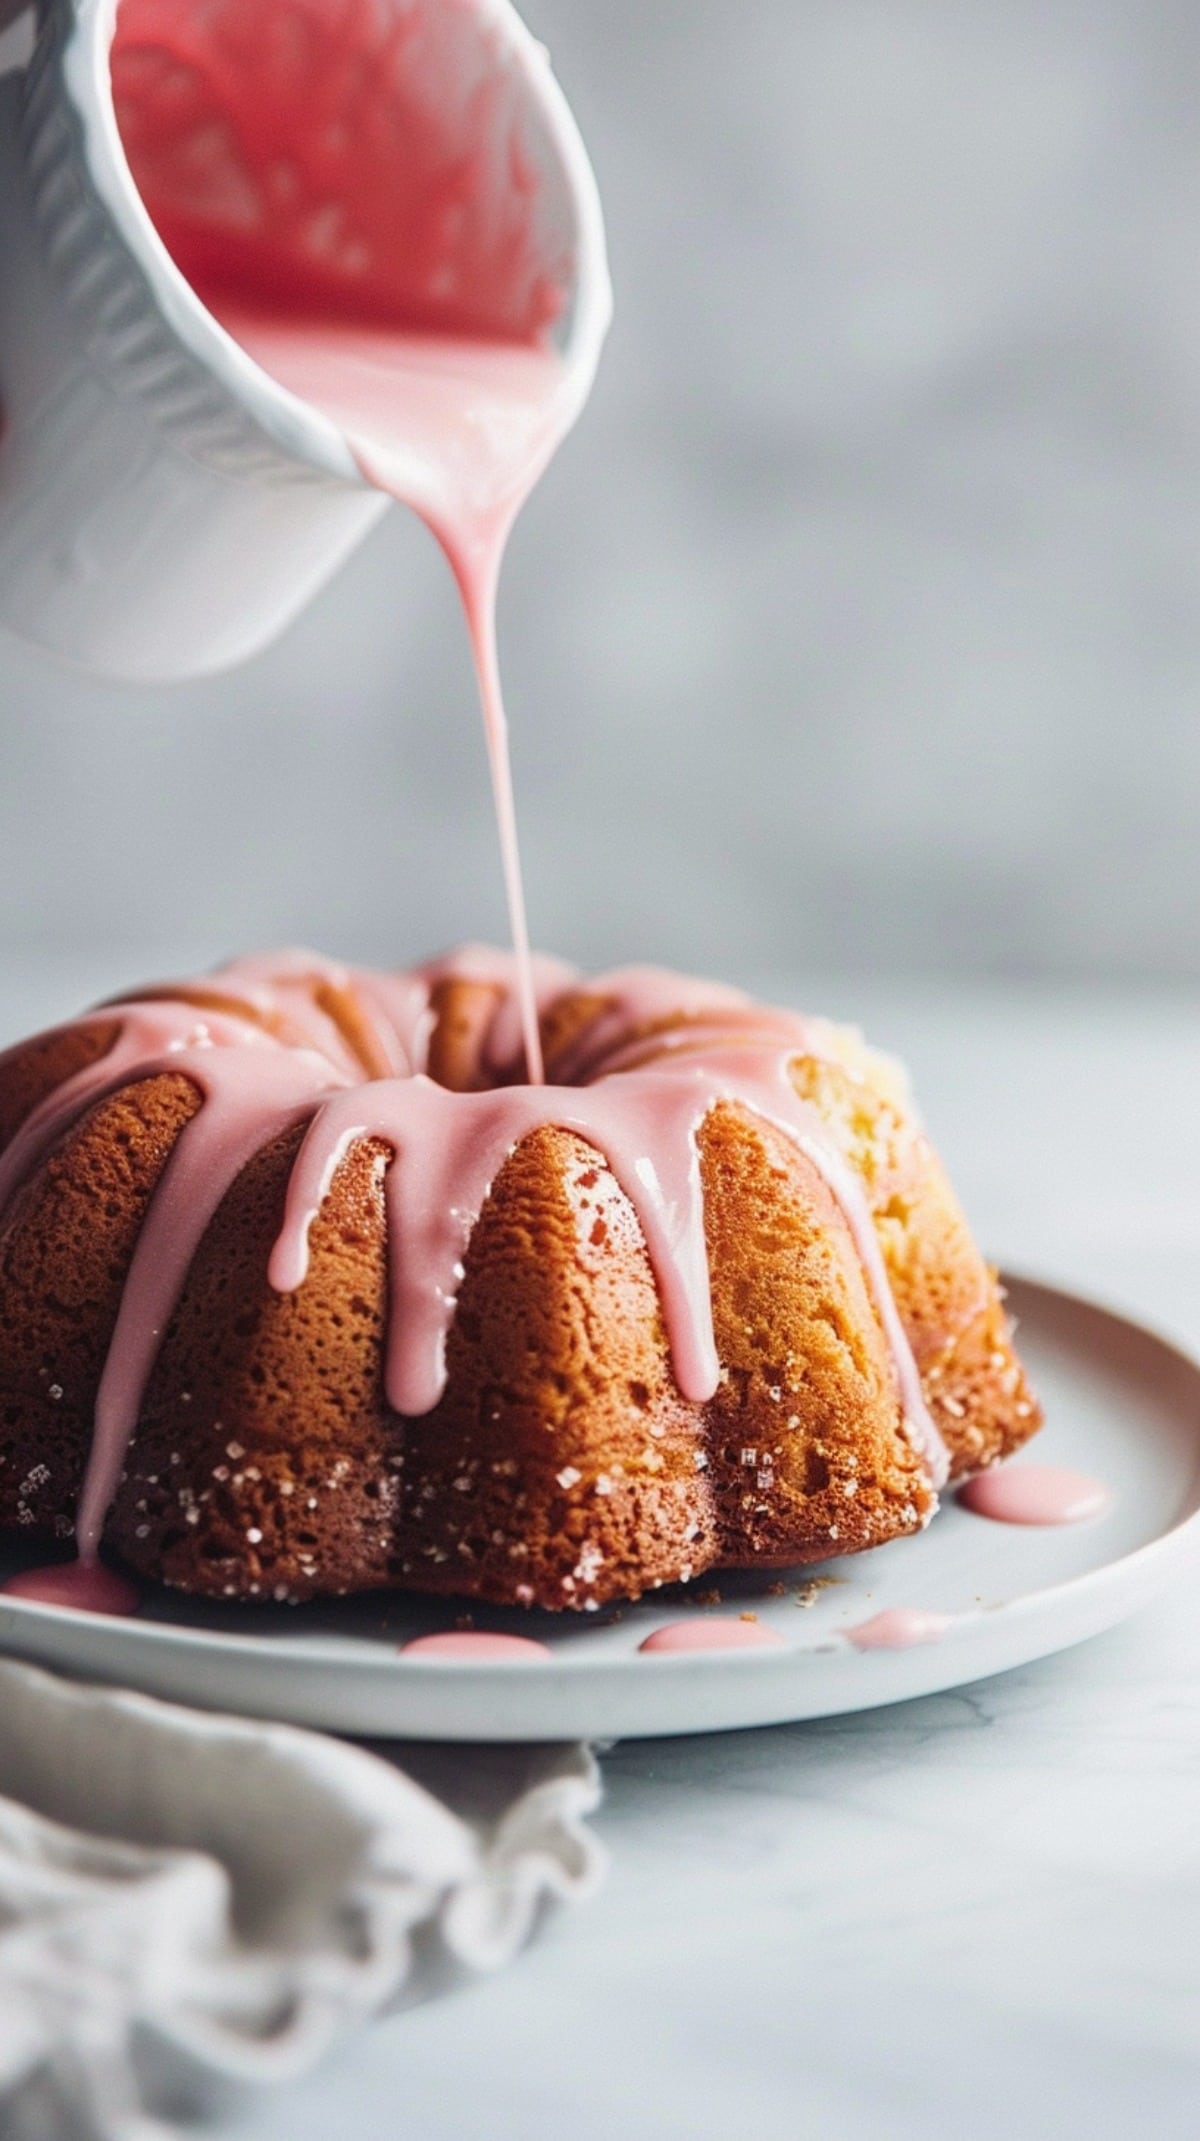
{"points": [[147, 1640]]}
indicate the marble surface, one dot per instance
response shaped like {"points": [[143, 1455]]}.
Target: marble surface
{"points": [[971, 1915]]}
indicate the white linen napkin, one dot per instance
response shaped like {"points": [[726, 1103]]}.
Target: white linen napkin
{"points": [[187, 1898]]}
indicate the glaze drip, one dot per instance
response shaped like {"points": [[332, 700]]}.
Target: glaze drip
{"points": [[83, 1586], [899, 1628], [716, 1632], [279, 1043], [355, 192], [475, 1646], [1035, 1494]]}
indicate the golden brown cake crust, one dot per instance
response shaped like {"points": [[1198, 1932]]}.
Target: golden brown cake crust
{"points": [[562, 1466], [65, 1246]]}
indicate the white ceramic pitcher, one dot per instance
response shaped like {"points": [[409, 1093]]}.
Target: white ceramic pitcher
{"points": [[165, 507]]}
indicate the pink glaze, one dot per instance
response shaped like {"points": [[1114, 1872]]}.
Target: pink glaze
{"points": [[349, 189], [86, 1586], [354, 157], [474, 1645], [1034, 1494], [273, 1042], [374, 235], [459, 430], [900, 1628], [714, 1633], [645, 1122]]}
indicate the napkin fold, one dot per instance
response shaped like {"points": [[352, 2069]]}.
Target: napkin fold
{"points": [[189, 1899]]}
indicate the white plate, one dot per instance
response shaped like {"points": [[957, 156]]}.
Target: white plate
{"points": [[1121, 1404]]}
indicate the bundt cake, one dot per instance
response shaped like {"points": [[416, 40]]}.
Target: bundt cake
{"points": [[303, 1291]]}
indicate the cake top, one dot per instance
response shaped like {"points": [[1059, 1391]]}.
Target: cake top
{"points": [[369, 1024]]}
